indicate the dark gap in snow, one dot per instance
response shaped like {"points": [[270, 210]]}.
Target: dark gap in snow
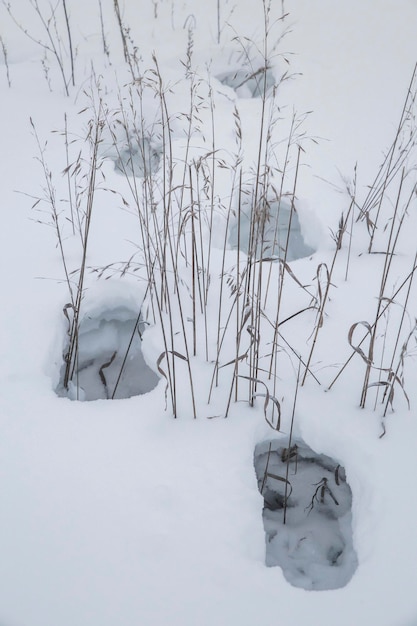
{"points": [[248, 82], [314, 546], [268, 226], [109, 362], [138, 158]]}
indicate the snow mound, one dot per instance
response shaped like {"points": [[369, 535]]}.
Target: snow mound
{"points": [[306, 515]]}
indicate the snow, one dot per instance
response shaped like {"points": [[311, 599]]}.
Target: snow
{"points": [[112, 511]]}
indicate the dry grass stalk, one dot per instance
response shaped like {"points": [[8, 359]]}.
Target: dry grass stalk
{"points": [[6, 60], [53, 38], [394, 161], [95, 132], [323, 295]]}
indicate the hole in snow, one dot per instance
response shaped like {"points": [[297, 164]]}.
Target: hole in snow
{"points": [[109, 361], [247, 82], [309, 491], [268, 228], [138, 159]]}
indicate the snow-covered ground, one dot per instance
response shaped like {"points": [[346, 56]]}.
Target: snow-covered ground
{"points": [[112, 511]]}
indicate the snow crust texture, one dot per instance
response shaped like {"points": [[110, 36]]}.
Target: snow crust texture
{"points": [[306, 515]]}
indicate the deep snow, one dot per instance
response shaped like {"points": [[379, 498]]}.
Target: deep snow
{"points": [[111, 511]]}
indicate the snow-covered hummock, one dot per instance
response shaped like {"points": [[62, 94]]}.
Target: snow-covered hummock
{"points": [[111, 511]]}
